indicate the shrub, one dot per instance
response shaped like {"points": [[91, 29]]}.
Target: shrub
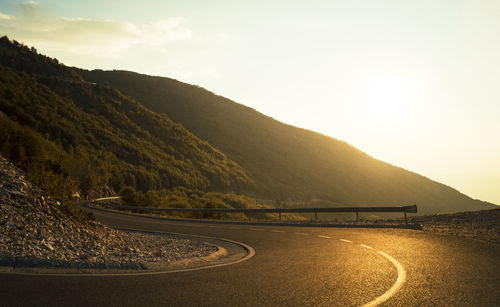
{"points": [[129, 196]]}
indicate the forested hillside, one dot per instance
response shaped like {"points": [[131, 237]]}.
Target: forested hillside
{"points": [[95, 132], [285, 162], [79, 137]]}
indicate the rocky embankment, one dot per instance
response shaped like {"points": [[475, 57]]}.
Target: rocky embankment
{"points": [[481, 225], [37, 231]]}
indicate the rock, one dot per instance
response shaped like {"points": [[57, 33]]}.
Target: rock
{"points": [[36, 230]]}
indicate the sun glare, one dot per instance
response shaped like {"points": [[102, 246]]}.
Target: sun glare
{"points": [[388, 99]]}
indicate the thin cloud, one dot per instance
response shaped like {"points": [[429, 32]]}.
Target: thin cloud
{"points": [[167, 30], [4, 17], [36, 25]]}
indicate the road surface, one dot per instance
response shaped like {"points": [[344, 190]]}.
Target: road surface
{"points": [[293, 266]]}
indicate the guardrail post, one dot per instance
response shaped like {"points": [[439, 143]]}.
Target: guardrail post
{"points": [[207, 212]]}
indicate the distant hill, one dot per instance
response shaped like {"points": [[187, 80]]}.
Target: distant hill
{"points": [[285, 162], [77, 135]]}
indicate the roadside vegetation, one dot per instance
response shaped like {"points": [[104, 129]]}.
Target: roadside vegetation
{"points": [[286, 162], [81, 140], [181, 197], [78, 135], [78, 138]]}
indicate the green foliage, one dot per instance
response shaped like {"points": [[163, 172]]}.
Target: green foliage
{"points": [[77, 131], [27, 149], [20, 57], [181, 197], [92, 139], [287, 163], [81, 216], [129, 196]]}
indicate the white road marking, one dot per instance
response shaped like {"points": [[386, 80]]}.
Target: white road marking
{"points": [[384, 297], [250, 254], [273, 230], [395, 287], [301, 233], [344, 240], [324, 237], [397, 284], [257, 229]]}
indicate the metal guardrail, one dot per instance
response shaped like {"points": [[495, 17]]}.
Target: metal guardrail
{"points": [[357, 210]]}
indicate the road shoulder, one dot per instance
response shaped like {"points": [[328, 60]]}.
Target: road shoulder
{"points": [[227, 252]]}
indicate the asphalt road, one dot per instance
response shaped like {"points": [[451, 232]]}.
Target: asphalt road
{"points": [[293, 266]]}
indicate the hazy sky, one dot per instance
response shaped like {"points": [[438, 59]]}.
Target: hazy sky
{"points": [[413, 83]]}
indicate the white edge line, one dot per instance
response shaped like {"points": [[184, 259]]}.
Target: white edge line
{"points": [[324, 237], [395, 287], [274, 230], [250, 254]]}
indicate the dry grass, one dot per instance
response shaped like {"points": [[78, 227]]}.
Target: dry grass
{"points": [[480, 225]]}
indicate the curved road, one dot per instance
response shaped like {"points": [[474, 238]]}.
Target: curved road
{"points": [[299, 266]]}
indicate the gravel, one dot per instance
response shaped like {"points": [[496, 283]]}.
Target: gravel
{"points": [[37, 231], [481, 225]]}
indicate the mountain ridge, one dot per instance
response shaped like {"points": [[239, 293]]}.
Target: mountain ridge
{"points": [[96, 129], [95, 136], [335, 171]]}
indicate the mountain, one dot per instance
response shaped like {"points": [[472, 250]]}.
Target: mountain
{"points": [[81, 136], [286, 162], [98, 131]]}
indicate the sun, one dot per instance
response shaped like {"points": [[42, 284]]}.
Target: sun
{"points": [[388, 98]]}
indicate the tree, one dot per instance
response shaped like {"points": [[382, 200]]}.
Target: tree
{"points": [[129, 196]]}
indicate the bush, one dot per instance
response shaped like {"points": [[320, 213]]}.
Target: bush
{"points": [[81, 216], [129, 196]]}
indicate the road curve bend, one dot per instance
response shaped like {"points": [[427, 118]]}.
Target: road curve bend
{"points": [[292, 266]]}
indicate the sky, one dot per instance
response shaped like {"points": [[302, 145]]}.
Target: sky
{"points": [[412, 83]]}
